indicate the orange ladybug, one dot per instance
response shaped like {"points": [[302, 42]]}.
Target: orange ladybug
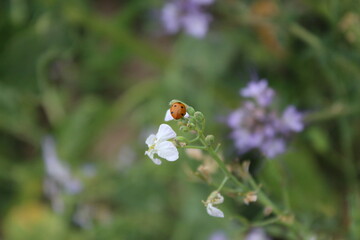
{"points": [[178, 110]]}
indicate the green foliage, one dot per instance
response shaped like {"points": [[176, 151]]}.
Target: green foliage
{"points": [[98, 76]]}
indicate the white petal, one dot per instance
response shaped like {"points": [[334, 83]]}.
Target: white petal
{"points": [[167, 150], [213, 211], [151, 156], [150, 140], [156, 161], [218, 198], [168, 116], [164, 133], [186, 115]]}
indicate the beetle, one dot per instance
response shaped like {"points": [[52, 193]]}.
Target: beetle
{"points": [[178, 110]]}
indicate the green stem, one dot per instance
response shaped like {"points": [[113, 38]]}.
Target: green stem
{"points": [[265, 222], [223, 167], [295, 226], [263, 198], [195, 139], [222, 184], [195, 147]]}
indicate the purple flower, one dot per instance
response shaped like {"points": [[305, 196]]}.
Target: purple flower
{"points": [[218, 235], [293, 119], [273, 147], [260, 91], [186, 14], [257, 234], [255, 125]]}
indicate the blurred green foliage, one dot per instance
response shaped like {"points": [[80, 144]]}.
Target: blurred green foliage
{"points": [[97, 75]]}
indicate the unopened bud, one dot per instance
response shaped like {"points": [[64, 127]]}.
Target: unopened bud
{"points": [[250, 197], [184, 129], [199, 116], [209, 139], [182, 139], [190, 111]]}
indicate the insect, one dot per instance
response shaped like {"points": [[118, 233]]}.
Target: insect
{"points": [[178, 110]]}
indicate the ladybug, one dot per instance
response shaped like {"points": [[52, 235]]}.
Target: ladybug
{"points": [[178, 110]]}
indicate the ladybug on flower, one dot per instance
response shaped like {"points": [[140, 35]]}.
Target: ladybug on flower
{"points": [[176, 111]]}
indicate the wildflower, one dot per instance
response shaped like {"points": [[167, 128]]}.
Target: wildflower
{"points": [[250, 197], [186, 14], [255, 125], [260, 91], [273, 147], [159, 144], [215, 198], [292, 119]]}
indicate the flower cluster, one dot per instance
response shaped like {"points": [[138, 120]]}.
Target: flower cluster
{"points": [[186, 14], [255, 125]]}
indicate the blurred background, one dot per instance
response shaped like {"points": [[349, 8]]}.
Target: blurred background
{"points": [[83, 83]]}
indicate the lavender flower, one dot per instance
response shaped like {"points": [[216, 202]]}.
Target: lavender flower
{"points": [[260, 91], [218, 235], [255, 125], [292, 119], [186, 14], [257, 234]]}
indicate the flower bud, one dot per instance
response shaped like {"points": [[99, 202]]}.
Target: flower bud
{"points": [[184, 129], [174, 101], [190, 111], [250, 197], [209, 139], [199, 116], [182, 139]]}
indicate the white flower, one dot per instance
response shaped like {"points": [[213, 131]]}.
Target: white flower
{"points": [[213, 211], [168, 116], [159, 144], [214, 199]]}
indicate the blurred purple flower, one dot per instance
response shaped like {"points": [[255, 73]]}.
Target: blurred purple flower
{"points": [[58, 176], [260, 91], [218, 235], [273, 147], [256, 126], [186, 14], [257, 234], [293, 119]]}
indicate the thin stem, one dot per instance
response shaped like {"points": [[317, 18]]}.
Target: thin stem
{"points": [[222, 184], [194, 147], [223, 167], [217, 147], [262, 196], [265, 222], [195, 139], [295, 226]]}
